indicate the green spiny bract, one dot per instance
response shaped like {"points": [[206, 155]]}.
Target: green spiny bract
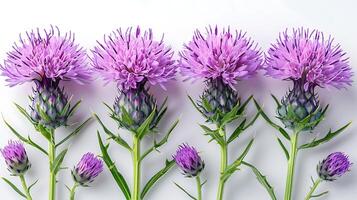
{"points": [[132, 107], [50, 106], [300, 109], [217, 100]]}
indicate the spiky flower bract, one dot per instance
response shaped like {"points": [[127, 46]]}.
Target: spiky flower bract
{"points": [[131, 57], [46, 55], [88, 168], [335, 165], [188, 160], [220, 54], [309, 60], [16, 158], [308, 56]]}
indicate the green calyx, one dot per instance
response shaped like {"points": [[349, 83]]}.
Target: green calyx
{"points": [[217, 100], [50, 106], [299, 109]]}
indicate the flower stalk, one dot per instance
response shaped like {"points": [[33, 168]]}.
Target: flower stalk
{"points": [[199, 187], [136, 167], [51, 158], [24, 186], [223, 166], [291, 166], [313, 188], [73, 191]]}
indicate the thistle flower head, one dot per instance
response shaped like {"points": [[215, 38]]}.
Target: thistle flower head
{"points": [[188, 160], [308, 56], [45, 55], [16, 158], [335, 165], [220, 54], [87, 169], [132, 57]]}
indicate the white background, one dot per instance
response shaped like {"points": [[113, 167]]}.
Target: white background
{"points": [[262, 19]]}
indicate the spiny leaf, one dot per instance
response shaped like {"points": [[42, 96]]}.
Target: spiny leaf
{"points": [[284, 149], [118, 177], [156, 177], [277, 127], [185, 191], [262, 180], [145, 126], [276, 100], [24, 112], [33, 184], [13, 186], [195, 105], [116, 138], [75, 132], [319, 195], [214, 134], [237, 131], [58, 161], [329, 136]]}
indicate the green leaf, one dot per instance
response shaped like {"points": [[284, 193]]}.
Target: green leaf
{"points": [[74, 108], [185, 191], [145, 126], [262, 180], [284, 149], [13, 186], [118, 177], [276, 100], [27, 141], [44, 132], [234, 166], [24, 112], [214, 135], [116, 138], [58, 161], [156, 177], [329, 136], [161, 142], [195, 105], [33, 184], [277, 127], [75, 132], [242, 107], [109, 108], [206, 104], [319, 195], [43, 114], [230, 116], [125, 117], [237, 131]]}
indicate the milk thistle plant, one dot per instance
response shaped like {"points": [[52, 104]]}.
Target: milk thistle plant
{"points": [[17, 163], [222, 58], [309, 60], [191, 164], [88, 168], [134, 60], [335, 165], [47, 58]]}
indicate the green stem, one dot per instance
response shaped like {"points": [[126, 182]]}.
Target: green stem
{"points": [[73, 191], [24, 186], [224, 162], [291, 165], [313, 188], [51, 157], [137, 173], [199, 187]]}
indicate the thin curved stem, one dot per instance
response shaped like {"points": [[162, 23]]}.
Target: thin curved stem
{"points": [[313, 188], [199, 187], [73, 191], [291, 166], [24, 186]]}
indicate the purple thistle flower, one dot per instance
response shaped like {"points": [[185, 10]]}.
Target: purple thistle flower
{"points": [[188, 160], [335, 165], [132, 57], [46, 55], [308, 56], [220, 54], [87, 169], [16, 158]]}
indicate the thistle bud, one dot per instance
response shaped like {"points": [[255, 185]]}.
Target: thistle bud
{"points": [[49, 105], [16, 158], [334, 166], [87, 169], [138, 104], [220, 97], [299, 104], [188, 160]]}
